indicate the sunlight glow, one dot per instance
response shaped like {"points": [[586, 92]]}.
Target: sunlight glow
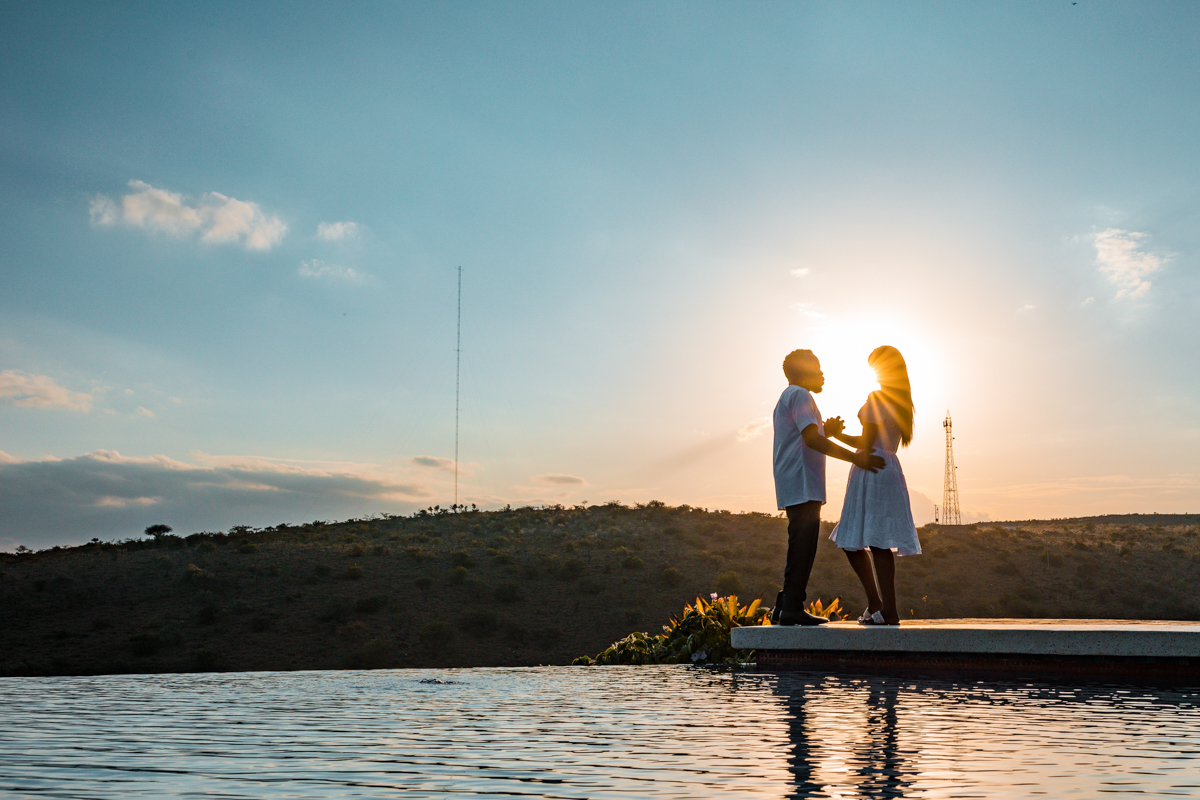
{"points": [[843, 344]]}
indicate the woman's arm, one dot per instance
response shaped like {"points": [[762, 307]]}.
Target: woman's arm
{"points": [[853, 441], [865, 442], [862, 460]]}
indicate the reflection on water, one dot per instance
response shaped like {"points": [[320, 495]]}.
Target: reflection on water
{"points": [[871, 759], [589, 732]]}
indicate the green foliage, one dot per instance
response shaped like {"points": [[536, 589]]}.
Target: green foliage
{"points": [[514, 631], [508, 593], [700, 635], [158, 530], [353, 572], [194, 574], [461, 558], [205, 661], [369, 605], [354, 551], [436, 632], [378, 653], [417, 553], [248, 547], [832, 612], [572, 568], [480, 622], [730, 583], [460, 574], [336, 610], [144, 645], [632, 562], [352, 630], [567, 562], [671, 577]]}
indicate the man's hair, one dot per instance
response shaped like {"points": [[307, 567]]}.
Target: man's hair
{"points": [[797, 364]]}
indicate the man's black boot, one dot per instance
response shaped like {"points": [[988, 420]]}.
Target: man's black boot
{"points": [[777, 609], [800, 617]]}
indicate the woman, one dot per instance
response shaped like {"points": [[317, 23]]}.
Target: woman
{"points": [[876, 517]]}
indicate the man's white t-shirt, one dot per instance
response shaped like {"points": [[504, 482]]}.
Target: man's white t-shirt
{"points": [[799, 470]]}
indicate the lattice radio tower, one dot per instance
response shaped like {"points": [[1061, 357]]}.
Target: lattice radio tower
{"points": [[950, 515], [457, 373]]}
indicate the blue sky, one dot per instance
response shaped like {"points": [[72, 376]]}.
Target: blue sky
{"points": [[229, 239]]}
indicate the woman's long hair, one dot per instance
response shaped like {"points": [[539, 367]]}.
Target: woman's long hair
{"points": [[892, 372]]}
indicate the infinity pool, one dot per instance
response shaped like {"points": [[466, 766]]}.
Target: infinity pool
{"points": [[566, 732]]}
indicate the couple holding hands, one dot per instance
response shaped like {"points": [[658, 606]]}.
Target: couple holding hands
{"points": [[876, 519]]}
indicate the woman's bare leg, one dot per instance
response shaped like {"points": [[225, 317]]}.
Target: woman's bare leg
{"points": [[860, 560], [885, 568]]}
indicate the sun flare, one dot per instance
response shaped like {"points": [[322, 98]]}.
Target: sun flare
{"points": [[842, 345]]}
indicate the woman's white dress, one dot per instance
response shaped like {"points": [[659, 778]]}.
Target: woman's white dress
{"points": [[876, 512]]}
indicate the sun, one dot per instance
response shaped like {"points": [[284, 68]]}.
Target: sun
{"points": [[842, 345]]}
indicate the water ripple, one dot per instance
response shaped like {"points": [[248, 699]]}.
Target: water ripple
{"points": [[552, 732]]}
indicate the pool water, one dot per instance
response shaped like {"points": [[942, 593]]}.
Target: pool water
{"points": [[566, 732]]}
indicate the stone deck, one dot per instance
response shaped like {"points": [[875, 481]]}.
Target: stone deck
{"points": [[1103, 648]]}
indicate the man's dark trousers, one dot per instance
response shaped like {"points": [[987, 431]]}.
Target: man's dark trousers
{"points": [[804, 528]]}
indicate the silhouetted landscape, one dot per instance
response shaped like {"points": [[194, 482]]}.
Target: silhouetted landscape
{"points": [[529, 586]]}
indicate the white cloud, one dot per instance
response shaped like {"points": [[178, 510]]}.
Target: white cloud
{"points": [[1125, 266], [752, 429], [559, 480], [802, 272], [1026, 308], [141, 411], [103, 210], [218, 219], [317, 268], [40, 391], [108, 501], [434, 462], [337, 231], [1088, 301], [103, 493]]}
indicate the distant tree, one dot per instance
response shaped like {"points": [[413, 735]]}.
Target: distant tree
{"points": [[158, 530]]}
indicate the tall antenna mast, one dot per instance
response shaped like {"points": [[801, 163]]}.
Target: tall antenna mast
{"points": [[457, 373], [950, 515]]}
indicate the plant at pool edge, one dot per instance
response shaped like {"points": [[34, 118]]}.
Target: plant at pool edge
{"points": [[833, 612], [699, 635]]}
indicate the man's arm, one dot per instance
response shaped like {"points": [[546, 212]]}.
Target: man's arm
{"points": [[822, 445]]}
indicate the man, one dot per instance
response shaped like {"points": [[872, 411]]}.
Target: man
{"points": [[800, 450]]}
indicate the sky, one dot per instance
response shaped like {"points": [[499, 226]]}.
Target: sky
{"points": [[230, 234]]}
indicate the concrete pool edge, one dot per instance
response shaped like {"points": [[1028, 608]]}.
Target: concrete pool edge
{"points": [[1109, 648]]}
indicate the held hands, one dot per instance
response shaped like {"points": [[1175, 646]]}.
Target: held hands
{"points": [[870, 463], [834, 426]]}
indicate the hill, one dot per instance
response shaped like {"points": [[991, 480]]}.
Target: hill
{"points": [[527, 586]]}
